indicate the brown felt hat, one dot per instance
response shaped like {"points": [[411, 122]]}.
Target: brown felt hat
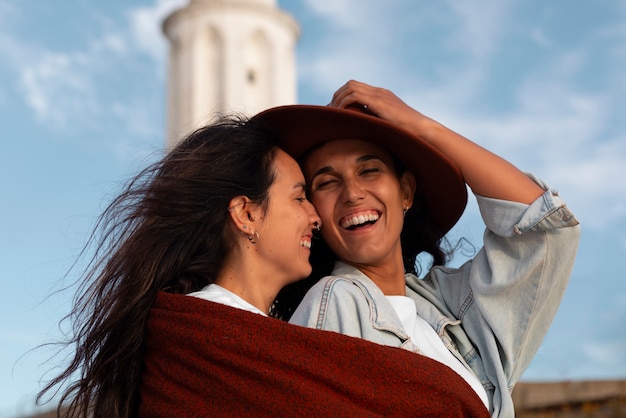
{"points": [[439, 181]]}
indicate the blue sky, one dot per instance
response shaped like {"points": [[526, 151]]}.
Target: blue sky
{"points": [[82, 88]]}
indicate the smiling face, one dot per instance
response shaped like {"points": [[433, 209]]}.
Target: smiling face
{"points": [[360, 199], [285, 228]]}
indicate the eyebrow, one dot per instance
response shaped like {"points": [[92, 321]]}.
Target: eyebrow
{"points": [[368, 157], [361, 159]]}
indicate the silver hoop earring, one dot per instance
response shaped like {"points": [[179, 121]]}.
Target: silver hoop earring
{"points": [[405, 211], [254, 237]]}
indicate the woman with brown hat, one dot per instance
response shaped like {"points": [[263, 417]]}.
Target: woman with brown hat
{"points": [[388, 184]]}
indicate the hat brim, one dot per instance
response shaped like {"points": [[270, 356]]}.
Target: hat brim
{"points": [[439, 182]]}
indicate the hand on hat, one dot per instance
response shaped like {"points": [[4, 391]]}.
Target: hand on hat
{"points": [[382, 103]]}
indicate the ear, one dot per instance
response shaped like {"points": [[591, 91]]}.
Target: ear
{"points": [[242, 212], [407, 187]]}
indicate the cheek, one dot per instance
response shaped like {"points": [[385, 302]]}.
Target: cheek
{"points": [[323, 207]]}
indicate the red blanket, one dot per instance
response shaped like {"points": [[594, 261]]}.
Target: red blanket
{"points": [[206, 359]]}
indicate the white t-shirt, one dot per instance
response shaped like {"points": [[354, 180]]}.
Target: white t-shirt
{"points": [[216, 293], [430, 344]]}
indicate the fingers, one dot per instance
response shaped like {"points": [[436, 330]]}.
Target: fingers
{"points": [[374, 100], [351, 93], [355, 94]]}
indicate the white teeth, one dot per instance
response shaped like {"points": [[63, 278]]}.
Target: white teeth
{"points": [[306, 244], [359, 219]]}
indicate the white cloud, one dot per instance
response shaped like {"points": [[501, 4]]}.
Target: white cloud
{"points": [[57, 87], [113, 42], [593, 190], [330, 71], [540, 38], [478, 27], [145, 26], [394, 40], [13, 52], [8, 11], [349, 14], [363, 43]]}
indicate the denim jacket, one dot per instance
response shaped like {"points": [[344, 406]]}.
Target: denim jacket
{"points": [[492, 313]]}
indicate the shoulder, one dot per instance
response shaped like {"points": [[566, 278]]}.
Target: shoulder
{"points": [[333, 303], [331, 287]]}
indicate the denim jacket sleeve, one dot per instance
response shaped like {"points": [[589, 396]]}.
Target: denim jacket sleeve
{"points": [[507, 295]]}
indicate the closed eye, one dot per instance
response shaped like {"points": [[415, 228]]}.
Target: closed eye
{"points": [[324, 184], [370, 170]]}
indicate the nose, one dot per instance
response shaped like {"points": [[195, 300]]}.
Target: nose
{"points": [[351, 191], [314, 218]]}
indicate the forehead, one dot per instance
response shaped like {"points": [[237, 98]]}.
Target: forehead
{"points": [[286, 168], [338, 151]]}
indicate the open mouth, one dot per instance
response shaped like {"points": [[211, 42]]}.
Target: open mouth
{"points": [[359, 220]]}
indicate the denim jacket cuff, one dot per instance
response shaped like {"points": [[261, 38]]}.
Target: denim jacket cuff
{"points": [[507, 218]]}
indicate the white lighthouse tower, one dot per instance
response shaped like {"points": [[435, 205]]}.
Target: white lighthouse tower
{"points": [[228, 56]]}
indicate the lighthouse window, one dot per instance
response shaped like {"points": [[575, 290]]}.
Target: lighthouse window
{"points": [[251, 76]]}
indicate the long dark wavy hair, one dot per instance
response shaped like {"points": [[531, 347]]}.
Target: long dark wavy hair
{"points": [[419, 236], [167, 231]]}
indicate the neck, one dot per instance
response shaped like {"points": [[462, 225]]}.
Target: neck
{"points": [[389, 276], [247, 282]]}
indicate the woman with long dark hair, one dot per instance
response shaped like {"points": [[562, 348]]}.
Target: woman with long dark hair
{"points": [[202, 220]]}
